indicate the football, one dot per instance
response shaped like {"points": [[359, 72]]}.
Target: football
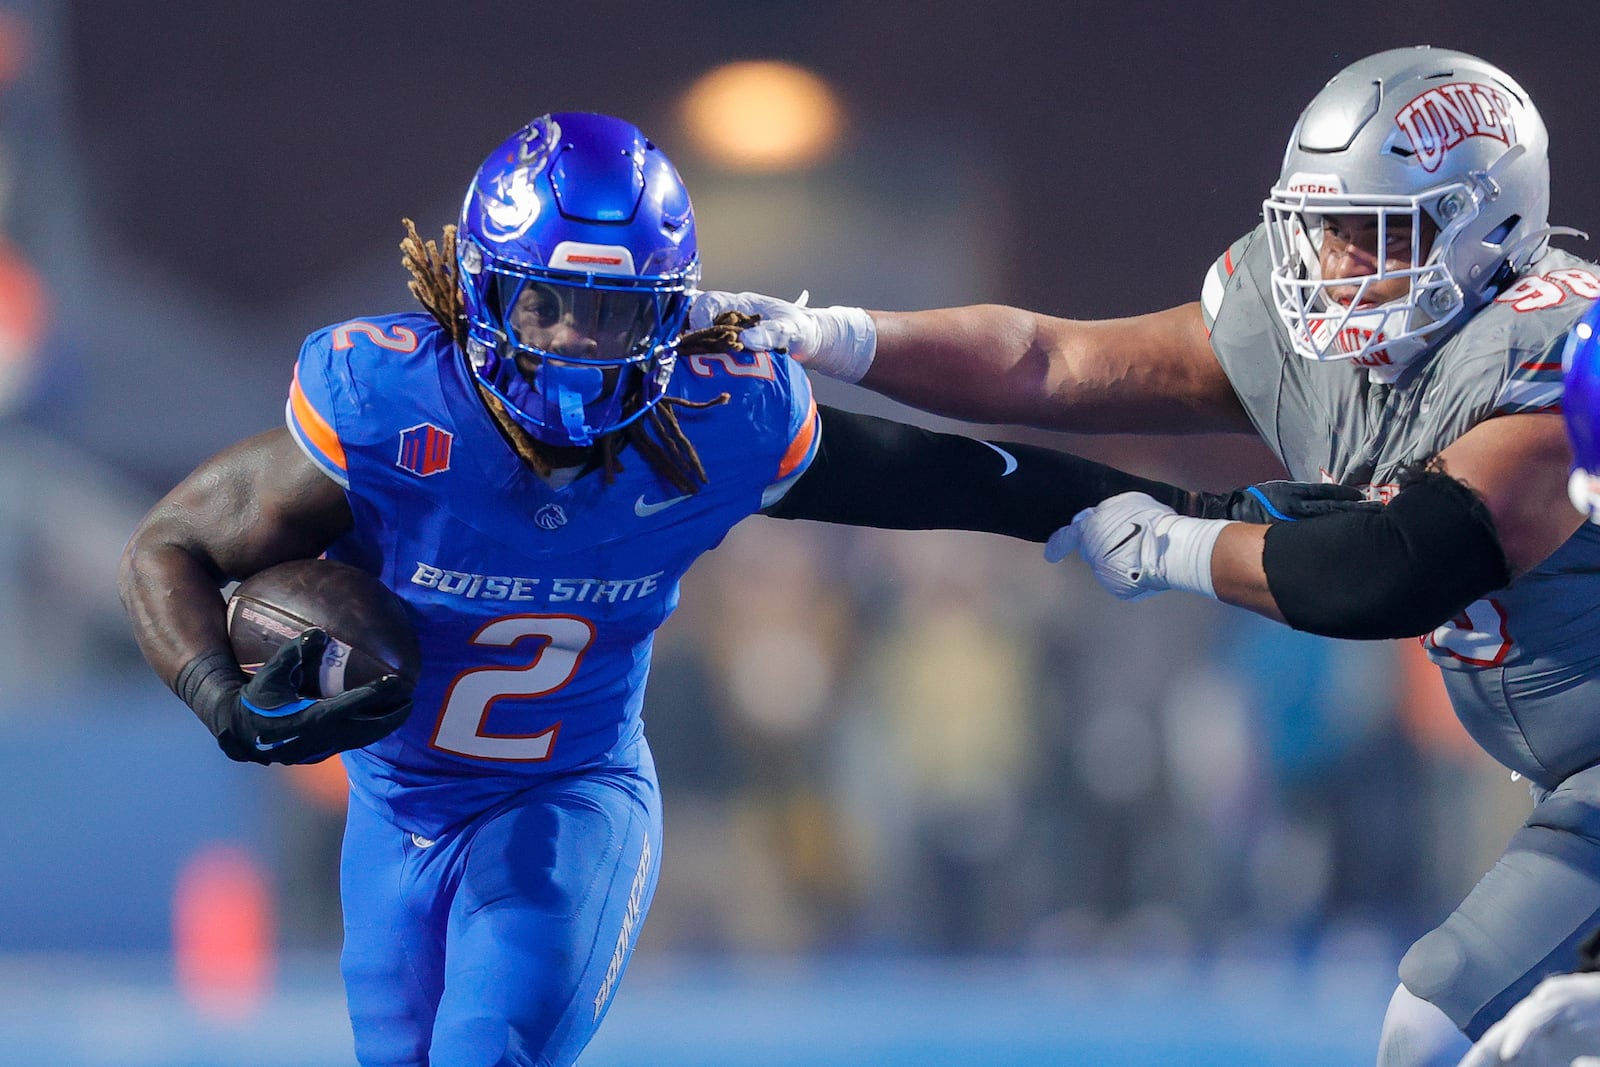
{"points": [[369, 631]]}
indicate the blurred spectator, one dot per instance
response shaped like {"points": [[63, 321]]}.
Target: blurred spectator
{"points": [[950, 692]]}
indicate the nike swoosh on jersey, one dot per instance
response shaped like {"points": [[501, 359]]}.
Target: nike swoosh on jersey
{"points": [[1011, 461], [644, 509]]}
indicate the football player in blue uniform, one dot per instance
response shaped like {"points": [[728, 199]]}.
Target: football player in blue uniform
{"points": [[1580, 409], [531, 463]]}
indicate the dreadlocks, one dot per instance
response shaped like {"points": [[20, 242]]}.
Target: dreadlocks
{"points": [[658, 436]]}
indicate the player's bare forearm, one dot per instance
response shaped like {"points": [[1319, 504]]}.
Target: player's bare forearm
{"points": [[1149, 374], [1237, 573], [981, 363], [253, 505], [172, 601], [1368, 572]]}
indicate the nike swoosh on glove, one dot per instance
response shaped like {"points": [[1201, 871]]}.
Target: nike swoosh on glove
{"points": [[269, 720], [1137, 546], [837, 341]]}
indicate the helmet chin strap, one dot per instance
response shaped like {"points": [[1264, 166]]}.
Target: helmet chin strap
{"points": [[571, 388], [571, 408]]}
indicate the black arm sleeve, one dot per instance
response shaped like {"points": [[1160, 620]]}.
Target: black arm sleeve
{"points": [[1399, 571], [873, 472]]}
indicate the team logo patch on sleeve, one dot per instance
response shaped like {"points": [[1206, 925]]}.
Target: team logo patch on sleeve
{"points": [[425, 449]]}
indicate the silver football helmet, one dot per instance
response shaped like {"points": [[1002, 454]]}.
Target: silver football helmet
{"points": [[1439, 155]]}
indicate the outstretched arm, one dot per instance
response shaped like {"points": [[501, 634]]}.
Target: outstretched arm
{"points": [[1492, 507], [1148, 374], [875, 472]]}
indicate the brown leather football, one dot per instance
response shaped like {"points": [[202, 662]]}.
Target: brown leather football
{"points": [[368, 626]]}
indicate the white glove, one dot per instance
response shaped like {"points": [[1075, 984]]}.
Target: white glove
{"points": [[837, 341], [1557, 1025], [1138, 546]]}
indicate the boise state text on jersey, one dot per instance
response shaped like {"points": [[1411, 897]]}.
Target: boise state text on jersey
{"points": [[536, 603]]}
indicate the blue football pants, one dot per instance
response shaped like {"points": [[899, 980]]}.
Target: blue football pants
{"points": [[501, 943]]}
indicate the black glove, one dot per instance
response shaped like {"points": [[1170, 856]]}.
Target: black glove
{"points": [[1280, 501], [267, 719]]}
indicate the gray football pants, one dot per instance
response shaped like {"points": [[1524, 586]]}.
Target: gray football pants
{"points": [[1523, 920]]}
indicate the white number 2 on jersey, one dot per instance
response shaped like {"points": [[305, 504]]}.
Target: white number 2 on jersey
{"points": [[562, 640]]}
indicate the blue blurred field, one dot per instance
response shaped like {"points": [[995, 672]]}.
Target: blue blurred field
{"points": [[116, 1012], [84, 915]]}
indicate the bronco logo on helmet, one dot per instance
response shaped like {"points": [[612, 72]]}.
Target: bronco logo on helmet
{"points": [[513, 204]]}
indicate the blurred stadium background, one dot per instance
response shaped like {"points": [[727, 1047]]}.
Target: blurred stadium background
{"points": [[928, 801]]}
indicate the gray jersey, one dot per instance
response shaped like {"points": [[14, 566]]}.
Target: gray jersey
{"points": [[1522, 666]]}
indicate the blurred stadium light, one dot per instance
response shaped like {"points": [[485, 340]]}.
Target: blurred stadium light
{"points": [[763, 115]]}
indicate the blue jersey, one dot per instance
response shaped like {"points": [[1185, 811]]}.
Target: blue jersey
{"points": [[536, 605]]}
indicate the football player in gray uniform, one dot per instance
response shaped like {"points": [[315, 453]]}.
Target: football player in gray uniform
{"points": [[1394, 323], [1558, 1024]]}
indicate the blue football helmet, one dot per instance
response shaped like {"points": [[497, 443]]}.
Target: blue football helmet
{"points": [[1580, 405], [578, 263]]}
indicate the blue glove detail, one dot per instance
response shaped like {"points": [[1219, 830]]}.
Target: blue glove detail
{"points": [[294, 707], [1280, 501], [1267, 505], [268, 719]]}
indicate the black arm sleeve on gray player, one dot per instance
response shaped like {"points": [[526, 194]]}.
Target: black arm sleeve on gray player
{"points": [[874, 472], [1399, 571]]}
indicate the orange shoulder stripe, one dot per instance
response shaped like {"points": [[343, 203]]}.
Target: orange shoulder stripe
{"points": [[313, 425], [800, 447]]}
